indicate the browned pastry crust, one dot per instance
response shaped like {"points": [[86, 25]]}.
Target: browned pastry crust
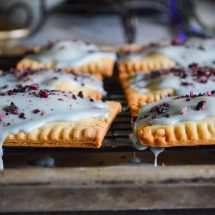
{"points": [[84, 133], [103, 67], [189, 133], [137, 100], [128, 68], [151, 62]]}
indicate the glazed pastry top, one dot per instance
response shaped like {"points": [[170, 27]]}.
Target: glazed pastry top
{"points": [[171, 110], [71, 53], [48, 79], [193, 51], [193, 78], [28, 108]]}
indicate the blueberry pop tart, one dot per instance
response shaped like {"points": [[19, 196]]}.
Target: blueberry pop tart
{"points": [[177, 121], [70, 55]]}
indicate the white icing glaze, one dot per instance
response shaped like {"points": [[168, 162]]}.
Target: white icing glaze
{"points": [[135, 159], [156, 151], [197, 50], [71, 54], [142, 84], [59, 106], [48, 79], [174, 111]]}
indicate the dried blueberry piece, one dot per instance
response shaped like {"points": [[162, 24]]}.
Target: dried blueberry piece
{"points": [[201, 105], [81, 95], [166, 115], [10, 92], [193, 65], [15, 90], [12, 109], [36, 110], [165, 104], [43, 94], [22, 116], [74, 97], [161, 109], [91, 100], [185, 83], [34, 86]]}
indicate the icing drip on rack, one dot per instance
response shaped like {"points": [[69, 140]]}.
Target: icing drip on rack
{"points": [[172, 110]]}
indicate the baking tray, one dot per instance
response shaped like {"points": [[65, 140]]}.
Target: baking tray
{"points": [[114, 177]]}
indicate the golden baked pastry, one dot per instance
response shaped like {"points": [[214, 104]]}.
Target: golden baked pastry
{"points": [[177, 121], [41, 118], [143, 88], [75, 56], [165, 55]]}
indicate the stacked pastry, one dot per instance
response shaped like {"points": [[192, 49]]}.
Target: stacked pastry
{"points": [[52, 98], [170, 90]]}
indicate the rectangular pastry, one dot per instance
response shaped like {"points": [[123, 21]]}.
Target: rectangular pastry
{"points": [[176, 121], [41, 118], [71, 55], [143, 88], [166, 55], [52, 79]]}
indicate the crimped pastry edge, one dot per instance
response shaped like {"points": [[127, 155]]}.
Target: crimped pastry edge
{"points": [[188, 133], [153, 61], [137, 100], [104, 66], [84, 133]]}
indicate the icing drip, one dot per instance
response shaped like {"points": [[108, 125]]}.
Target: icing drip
{"points": [[71, 54], [156, 151], [196, 79], [27, 109], [49, 79], [135, 159], [196, 50]]}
